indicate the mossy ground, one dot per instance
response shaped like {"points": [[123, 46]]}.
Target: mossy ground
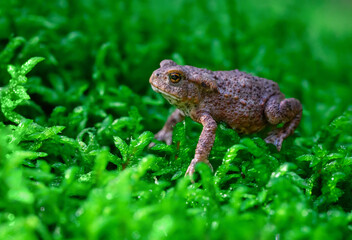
{"points": [[77, 114]]}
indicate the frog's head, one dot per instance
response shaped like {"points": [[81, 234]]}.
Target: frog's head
{"points": [[181, 83]]}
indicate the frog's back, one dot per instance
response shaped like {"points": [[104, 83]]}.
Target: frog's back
{"points": [[243, 99]]}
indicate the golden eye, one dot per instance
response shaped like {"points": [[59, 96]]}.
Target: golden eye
{"points": [[175, 77]]}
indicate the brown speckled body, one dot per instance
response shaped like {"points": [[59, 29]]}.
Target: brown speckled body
{"points": [[244, 102], [240, 100]]}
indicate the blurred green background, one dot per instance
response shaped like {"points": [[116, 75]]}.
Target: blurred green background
{"points": [[74, 161]]}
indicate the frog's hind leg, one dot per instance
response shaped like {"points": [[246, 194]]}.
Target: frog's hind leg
{"points": [[279, 110]]}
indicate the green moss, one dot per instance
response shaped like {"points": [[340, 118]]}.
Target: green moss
{"points": [[77, 115]]}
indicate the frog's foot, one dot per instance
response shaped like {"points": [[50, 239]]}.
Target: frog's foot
{"points": [[162, 135], [165, 134], [191, 167], [278, 135], [275, 137], [279, 110]]}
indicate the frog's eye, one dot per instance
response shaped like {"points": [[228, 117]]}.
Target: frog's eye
{"points": [[175, 77]]}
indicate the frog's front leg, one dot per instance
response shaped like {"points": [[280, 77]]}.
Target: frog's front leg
{"points": [[280, 110], [205, 142], [165, 134]]}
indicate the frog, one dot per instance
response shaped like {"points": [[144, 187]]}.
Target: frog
{"points": [[244, 102]]}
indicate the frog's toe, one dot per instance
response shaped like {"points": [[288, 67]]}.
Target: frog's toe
{"points": [[165, 136], [210, 166], [191, 168], [152, 144], [275, 140]]}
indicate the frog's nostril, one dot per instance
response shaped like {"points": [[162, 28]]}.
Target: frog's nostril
{"points": [[157, 74]]}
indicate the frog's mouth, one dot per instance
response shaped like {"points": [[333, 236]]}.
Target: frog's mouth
{"points": [[165, 94]]}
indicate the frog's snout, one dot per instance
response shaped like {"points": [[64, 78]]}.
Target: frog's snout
{"points": [[153, 80]]}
